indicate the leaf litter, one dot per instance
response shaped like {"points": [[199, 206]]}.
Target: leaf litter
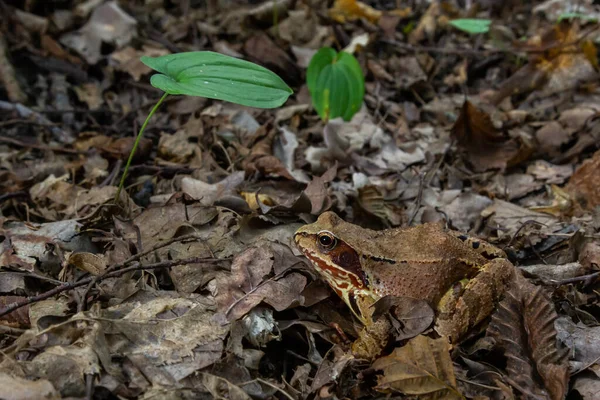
{"points": [[192, 288]]}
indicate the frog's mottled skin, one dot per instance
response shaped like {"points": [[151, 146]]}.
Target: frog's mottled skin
{"points": [[462, 278]]}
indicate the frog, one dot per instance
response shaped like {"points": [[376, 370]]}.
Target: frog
{"points": [[461, 277]]}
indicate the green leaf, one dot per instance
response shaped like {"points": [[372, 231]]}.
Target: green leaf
{"points": [[336, 84], [220, 77], [471, 25], [572, 15]]}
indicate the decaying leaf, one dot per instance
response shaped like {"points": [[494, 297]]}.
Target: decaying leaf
{"points": [[523, 328], [560, 63], [422, 367], [260, 274], [583, 185], [18, 318], [486, 146]]}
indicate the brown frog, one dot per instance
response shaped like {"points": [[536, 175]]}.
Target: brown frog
{"points": [[460, 277]]}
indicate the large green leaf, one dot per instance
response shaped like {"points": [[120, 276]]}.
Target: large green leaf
{"points": [[336, 84], [217, 76], [472, 25]]}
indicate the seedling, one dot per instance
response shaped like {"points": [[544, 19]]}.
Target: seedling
{"points": [[214, 76], [336, 84]]}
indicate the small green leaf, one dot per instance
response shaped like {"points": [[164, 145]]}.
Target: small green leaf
{"points": [[217, 76], [572, 15], [472, 25], [336, 84]]}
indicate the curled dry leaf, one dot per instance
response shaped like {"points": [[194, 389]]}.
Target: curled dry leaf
{"points": [[523, 328], [486, 147], [422, 367], [95, 264], [583, 185]]}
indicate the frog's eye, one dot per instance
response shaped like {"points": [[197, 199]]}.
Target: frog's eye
{"points": [[326, 240]]}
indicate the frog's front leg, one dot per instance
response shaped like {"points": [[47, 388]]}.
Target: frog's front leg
{"points": [[372, 339], [467, 304]]}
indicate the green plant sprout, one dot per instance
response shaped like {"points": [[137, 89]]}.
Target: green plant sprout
{"points": [[472, 25], [214, 76], [336, 84]]}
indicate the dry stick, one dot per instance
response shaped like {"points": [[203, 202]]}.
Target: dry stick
{"points": [[8, 76], [136, 267], [26, 112], [133, 258], [4, 139]]}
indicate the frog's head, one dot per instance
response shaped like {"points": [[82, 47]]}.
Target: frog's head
{"points": [[330, 246]]}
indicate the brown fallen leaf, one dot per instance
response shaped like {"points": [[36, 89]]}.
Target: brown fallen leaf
{"points": [[18, 318], [95, 264], [350, 10], [583, 185], [523, 328], [422, 367], [559, 61], [260, 274], [486, 147]]}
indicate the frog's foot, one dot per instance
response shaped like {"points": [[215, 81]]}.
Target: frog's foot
{"points": [[464, 307], [372, 340]]}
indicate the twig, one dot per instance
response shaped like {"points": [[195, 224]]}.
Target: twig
{"points": [[26, 112], [72, 285], [12, 195], [4, 139], [576, 279], [134, 258]]}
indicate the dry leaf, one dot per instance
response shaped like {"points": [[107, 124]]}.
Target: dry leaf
{"points": [[422, 367], [350, 10], [558, 63], [18, 318], [95, 264], [583, 185], [523, 328], [486, 147]]}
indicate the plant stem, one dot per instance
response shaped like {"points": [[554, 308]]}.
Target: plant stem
{"points": [[137, 142]]}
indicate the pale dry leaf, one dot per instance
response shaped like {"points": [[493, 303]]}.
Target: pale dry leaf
{"points": [[108, 23], [208, 193], [13, 387], [191, 335], [588, 387], [584, 342], [422, 367], [95, 264], [221, 388]]}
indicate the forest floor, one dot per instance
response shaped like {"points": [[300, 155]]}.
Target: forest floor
{"points": [[190, 285]]}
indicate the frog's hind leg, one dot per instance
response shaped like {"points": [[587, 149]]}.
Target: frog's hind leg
{"points": [[462, 308]]}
